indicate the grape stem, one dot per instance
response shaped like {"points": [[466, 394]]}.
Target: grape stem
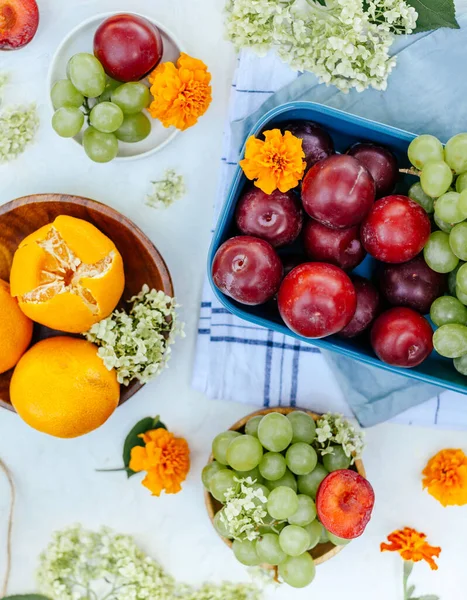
{"points": [[411, 171]]}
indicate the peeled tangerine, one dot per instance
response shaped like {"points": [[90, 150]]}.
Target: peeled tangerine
{"points": [[67, 275]]}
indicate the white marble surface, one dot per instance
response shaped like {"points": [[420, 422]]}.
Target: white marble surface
{"points": [[56, 480]]}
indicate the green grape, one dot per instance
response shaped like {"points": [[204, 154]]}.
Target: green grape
{"points": [[270, 526], [294, 540], [298, 571], [220, 444], [461, 296], [106, 117], [244, 453], [220, 526], [251, 428], [461, 279], [305, 513], [418, 195], [275, 432], [436, 179], [447, 208], [309, 484], [301, 458], [135, 128], [86, 74], [324, 537], [221, 482], [446, 227], [100, 147], [461, 182], [288, 480], [110, 86], [245, 552], [447, 309], [438, 254], [455, 153], [337, 460], [451, 340], [209, 470], [253, 473], [314, 531], [423, 149], [463, 203], [64, 93], [303, 427], [458, 240], [282, 503], [269, 549], [452, 284], [337, 541], [131, 97], [460, 364], [68, 121], [272, 466]]}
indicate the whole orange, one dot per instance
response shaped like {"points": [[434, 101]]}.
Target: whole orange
{"points": [[61, 387], [67, 275], [15, 329]]}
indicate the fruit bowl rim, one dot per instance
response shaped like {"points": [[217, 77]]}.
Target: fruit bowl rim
{"points": [[284, 410], [58, 52]]}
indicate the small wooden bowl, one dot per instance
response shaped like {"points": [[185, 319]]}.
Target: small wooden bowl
{"points": [[143, 263], [320, 553]]}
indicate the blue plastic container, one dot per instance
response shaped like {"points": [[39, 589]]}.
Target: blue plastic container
{"points": [[345, 130]]}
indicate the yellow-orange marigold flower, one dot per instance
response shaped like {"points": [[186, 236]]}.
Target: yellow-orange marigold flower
{"points": [[277, 162], [182, 93], [165, 458], [411, 545], [445, 477]]}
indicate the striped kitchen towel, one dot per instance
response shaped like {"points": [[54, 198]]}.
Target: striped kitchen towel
{"points": [[238, 361]]}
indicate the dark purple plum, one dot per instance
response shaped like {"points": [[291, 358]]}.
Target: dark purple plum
{"points": [[368, 303], [381, 163], [412, 284], [339, 192], [247, 269], [340, 247], [276, 218], [317, 143]]}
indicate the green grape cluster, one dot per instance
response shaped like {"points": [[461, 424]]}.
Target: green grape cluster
{"points": [[276, 451], [113, 111], [442, 190]]}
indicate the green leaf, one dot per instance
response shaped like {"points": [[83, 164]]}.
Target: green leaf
{"points": [[433, 14], [410, 591], [132, 439], [427, 597], [26, 597]]}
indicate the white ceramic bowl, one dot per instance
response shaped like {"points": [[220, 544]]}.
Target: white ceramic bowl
{"points": [[80, 39]]}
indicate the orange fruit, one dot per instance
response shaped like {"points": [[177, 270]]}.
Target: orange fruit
{"points": [[67, 275], [15, 329], [61, 387]]}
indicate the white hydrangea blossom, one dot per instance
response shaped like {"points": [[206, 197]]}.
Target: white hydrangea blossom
{"points": [[244, 511], [137, 344], [18, 126], [167, 190], [335, 429], [345, 43], [86, 565]]}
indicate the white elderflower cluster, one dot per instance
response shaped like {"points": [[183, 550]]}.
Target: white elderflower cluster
{"points": [[18, 126], [244, 511], [335, 429], [167, 190], [137, 344], [344, 43]]}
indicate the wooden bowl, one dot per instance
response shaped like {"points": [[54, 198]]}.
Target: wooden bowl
{"points": [[143, 263], [320, 553]]}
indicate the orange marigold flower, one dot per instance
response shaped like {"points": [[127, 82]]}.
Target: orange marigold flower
{"points": [[445, 477], [411, 545], [165, 458], [277, 162], [182, 93]]}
